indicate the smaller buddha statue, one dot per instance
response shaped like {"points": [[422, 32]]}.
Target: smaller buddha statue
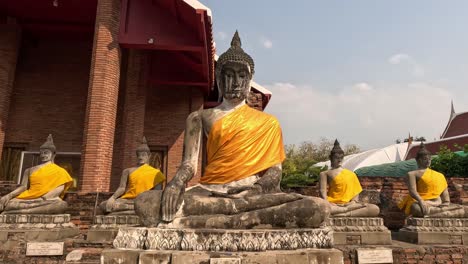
{"points": [[42, 187], [134, 181], [428, 192], [343, 189]]}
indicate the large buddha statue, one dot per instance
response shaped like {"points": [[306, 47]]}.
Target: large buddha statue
{"points": [[133, 182], [428, 192], [343, 189], [240, 186], [42, 187]]}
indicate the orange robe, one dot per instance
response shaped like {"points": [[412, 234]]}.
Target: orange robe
{"points": [[429, 186], [344, 187], [241, 144], [141, 180], [44, 180]]}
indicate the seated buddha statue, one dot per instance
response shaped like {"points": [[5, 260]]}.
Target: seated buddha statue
{"points": [[343, 189], [42, 187], [240, 185], [428, 192], [133, 182]]}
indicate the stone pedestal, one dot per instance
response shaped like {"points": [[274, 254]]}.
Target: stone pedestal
{"points": [[223, 240], [106, 227], [37, 227], [448, 231], [359, 231], [302, 256]]}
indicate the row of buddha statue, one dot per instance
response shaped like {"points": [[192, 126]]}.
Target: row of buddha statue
{"points": [[240, 186]]}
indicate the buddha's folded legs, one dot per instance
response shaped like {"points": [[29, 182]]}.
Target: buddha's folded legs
{"points": [[35, 206], [449, 211], [209, 205], [121, 206], [308, 212], [355, 210]]}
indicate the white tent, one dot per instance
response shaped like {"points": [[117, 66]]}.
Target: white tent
{"points": [[389, 154]]}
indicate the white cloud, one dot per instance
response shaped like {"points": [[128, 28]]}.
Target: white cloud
{"points": [[370, 116], [267, 43], [402, 58], [363, 87], [221, 35]]}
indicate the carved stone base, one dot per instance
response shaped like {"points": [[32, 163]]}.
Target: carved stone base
{"points": [[359, 231], [37, 227], [301, 256], [106, 227], [452, 231], [223, 240]]}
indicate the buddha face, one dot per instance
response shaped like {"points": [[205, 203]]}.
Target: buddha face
{"points": [[336, 160], [234, 81], [142, 157], [46, 155], [424, 161]]}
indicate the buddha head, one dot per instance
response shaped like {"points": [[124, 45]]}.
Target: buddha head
{"points": [[47, 150], [234, 71], [423, 157], [143, 152], [336, 155]]}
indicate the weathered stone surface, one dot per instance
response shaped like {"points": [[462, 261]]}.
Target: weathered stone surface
{"points": [[99, 235], [37, 227], [359, 230], [113, 221], [451, 231], [34, 219], [156, 258], [436, 224], [304, 256], [116, 256], [223, 240], [52, 234], [106, 226]]}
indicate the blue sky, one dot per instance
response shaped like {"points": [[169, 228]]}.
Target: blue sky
{"points": [[366, 72]]}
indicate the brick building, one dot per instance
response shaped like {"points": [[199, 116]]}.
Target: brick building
{"points": [[455, 134], [98, 75]]}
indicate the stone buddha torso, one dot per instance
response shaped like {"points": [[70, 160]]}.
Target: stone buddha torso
{"points": [[428, 192], [133, 182], [41, 189], [240, 184], [343, 189]]}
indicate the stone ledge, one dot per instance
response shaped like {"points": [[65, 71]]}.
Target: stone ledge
{"points": [[34, 219], [433, 238], [357, 224], [303, 256], [223, 240], [111, 221], [415, 224]]}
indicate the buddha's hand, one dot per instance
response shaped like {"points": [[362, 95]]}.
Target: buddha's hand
{"points": [[171, 199], [424, 207], [110, 204], [3, 202]]}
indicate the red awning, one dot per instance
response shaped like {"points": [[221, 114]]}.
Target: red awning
{"points": [[179, 33]]}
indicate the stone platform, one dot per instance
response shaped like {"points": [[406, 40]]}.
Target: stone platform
{"points": [[37, 227], [359, 231], [106, 227], [449, 231], [303, 256], [223, 240]]}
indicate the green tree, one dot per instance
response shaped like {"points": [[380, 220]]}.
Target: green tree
{"points": [[298, 169]]}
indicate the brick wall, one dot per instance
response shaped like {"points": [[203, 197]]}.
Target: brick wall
{"points": [[49, 93], [101, 110], [167, 109], [9, 49]]}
